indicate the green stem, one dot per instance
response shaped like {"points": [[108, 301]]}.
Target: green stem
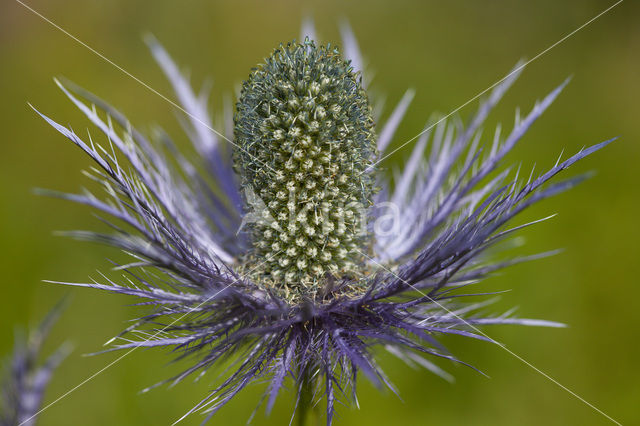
{"points": [[308, 415]]}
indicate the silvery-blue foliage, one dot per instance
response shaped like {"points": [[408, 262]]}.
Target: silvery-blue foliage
{"points": [[177, 216]]}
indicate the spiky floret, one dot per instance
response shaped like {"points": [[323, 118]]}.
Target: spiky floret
{"points": [[188, 262], [306, 140]]}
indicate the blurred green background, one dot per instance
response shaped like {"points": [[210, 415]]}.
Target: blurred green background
{"points": [[448, 53]]}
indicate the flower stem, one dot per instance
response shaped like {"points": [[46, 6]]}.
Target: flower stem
{"points": [[308, 414]]}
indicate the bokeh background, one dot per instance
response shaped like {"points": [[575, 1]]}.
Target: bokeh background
{"points": [[448, 52]]}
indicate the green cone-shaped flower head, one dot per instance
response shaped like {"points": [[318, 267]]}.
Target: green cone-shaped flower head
{"points": [[305, 145]]}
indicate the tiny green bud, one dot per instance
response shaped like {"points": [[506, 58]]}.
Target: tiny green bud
{"points": [[306, 142]]}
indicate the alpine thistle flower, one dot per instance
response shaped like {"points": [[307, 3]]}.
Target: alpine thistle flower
{"points": [[25, 381], [318, 277]]}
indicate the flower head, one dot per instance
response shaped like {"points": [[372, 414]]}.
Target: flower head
{"points": [[321, 273], [305, 142]]}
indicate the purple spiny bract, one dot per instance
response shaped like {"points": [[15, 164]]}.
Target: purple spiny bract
{"points": [[25, 379], [197, 274]]}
